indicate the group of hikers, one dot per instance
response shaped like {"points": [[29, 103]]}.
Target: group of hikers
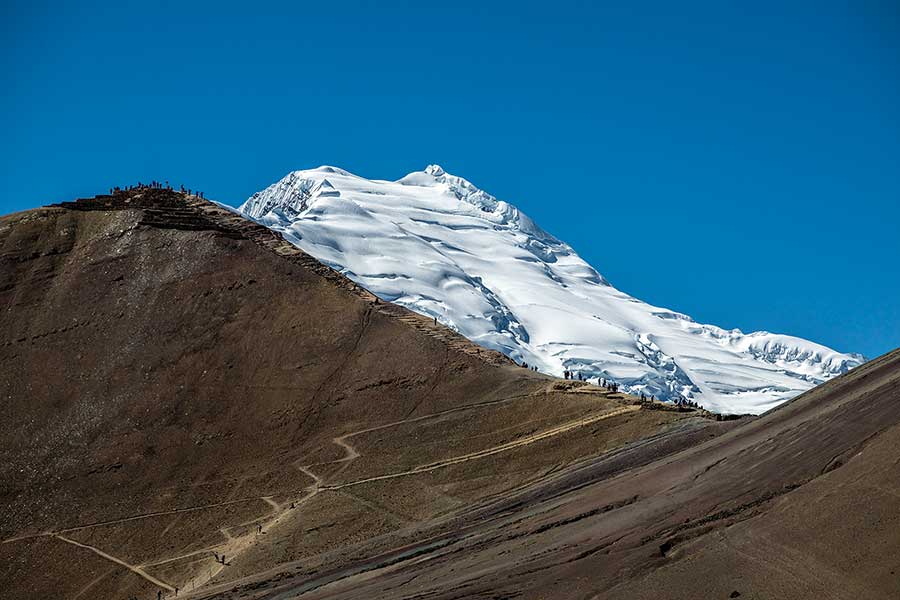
{"points": [[612, 386], [607, 384], [573, 375], [220, 558], [681, 402], [684, 402], [604, 383], [153, 185]]}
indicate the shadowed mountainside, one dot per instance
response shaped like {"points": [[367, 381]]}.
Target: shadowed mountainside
{"points": [[176, 378]]}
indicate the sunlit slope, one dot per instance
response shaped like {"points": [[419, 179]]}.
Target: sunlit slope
{"points": [[800, 503]]}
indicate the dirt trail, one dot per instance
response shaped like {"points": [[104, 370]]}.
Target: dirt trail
{"points": [[530, 439], [351, 452], [319, 485], [204, 551], [340, 439], [131, 518], [134, 569], [235, 545], [305, 470]]}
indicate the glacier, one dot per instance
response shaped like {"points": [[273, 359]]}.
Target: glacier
{"points": [[437, 244]]}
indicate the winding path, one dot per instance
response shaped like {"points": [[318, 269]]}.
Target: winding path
{"points": [[505, 447], [132, 518], [236, 544]]}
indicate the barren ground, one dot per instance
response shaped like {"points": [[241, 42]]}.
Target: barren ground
{"points": [[175, 377]]}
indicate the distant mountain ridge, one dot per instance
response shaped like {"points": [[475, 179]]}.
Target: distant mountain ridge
{"points": [[441, 246]]}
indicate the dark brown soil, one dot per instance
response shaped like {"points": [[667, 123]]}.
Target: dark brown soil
{"points": [[175, 376], [801, 503]]}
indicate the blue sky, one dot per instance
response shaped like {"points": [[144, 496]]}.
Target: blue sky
{"points": [[737, 163]]}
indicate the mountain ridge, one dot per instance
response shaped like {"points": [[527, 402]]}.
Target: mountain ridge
{"points": [[178, 377], [443, 247]]}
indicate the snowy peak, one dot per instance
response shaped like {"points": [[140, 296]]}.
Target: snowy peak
{"points": [[462, 189], [292, 195], [435, 170], [466, 192], [441, 246]]}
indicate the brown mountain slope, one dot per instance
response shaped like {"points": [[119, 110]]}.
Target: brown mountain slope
{"points": [[803, 502], [175, 377]]}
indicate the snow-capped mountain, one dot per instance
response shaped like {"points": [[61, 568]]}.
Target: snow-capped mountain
{"points": [[440, 246]]}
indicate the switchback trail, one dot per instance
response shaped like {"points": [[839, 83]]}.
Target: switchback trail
{"points": [[236, 545], [505, 447], [351, 454]]}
